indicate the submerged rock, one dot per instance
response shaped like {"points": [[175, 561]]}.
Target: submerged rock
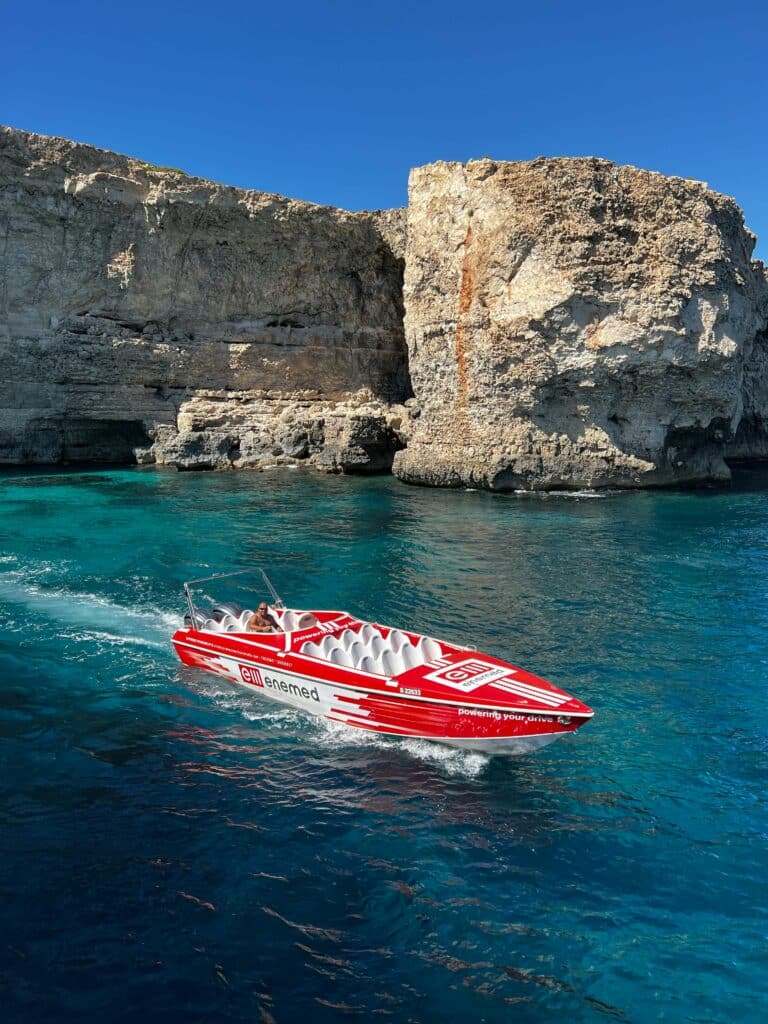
{"points": [[571, 323]]}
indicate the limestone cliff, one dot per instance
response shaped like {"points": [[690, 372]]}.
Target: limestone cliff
{"points": [[144, 311], [751, 439], [563, 323], [571, 323]]}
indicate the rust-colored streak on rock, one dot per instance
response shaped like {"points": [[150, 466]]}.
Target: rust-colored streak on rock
{"points": [[466, 290], [595, 310]]}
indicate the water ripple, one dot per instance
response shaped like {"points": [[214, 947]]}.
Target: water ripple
{"points": [[186, 844]]}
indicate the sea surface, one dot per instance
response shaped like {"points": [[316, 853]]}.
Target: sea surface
{"points": [[175, 849]]}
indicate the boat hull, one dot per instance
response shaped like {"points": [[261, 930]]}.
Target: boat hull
{"points": [[505, 746], [489, 730]]}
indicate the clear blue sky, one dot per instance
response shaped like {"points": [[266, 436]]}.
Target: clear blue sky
{"points": [[334, 102]]}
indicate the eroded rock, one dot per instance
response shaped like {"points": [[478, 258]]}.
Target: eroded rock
{"points": [[571, 323], [187, 314]]}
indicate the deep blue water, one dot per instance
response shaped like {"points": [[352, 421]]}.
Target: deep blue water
{"points": [[173, 849]]}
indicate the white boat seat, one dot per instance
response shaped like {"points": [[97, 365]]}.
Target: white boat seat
{"points": [[356, 653], [428, 649], [226, 622], [409, 656], [293, 620], [376, 645], [211, 626], [391, 663], [288, 621], [245, 619], [338, 656], [376, 657], [366, 632], [396, 639], [305, 620], [347, 638]]}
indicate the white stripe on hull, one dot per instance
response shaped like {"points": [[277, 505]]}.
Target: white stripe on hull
{"points": [[531, 693]]}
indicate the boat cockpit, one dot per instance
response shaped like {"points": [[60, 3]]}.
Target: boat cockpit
{"points": [[333, 637]]}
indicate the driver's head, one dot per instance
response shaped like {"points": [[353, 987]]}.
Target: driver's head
{"points": [[262, 607]]}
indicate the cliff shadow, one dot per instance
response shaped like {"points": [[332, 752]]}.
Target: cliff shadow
{"points": [[77, 440], [636, 415]]}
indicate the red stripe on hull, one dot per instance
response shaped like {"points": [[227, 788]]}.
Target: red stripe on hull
{"points": [[440, 721]]}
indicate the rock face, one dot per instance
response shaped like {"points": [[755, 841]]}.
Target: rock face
{"points": [[568, 322], [144, 313], [571, 323], [751, 440]]}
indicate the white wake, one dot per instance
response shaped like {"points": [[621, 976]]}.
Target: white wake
{"points": [[95, 614]]}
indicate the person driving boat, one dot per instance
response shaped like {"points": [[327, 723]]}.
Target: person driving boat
{"points": [[262, 621]]}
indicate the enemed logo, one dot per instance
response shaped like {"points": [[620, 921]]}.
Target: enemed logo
{"points": [[468, 675], [251, 675]]}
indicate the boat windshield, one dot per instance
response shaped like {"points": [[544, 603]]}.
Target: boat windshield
{"points": [[229, 594]]}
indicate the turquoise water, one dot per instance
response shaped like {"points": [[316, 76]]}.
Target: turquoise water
{"points": [[176, 849]]}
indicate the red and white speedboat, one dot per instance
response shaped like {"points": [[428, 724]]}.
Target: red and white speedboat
{"points": [[383, 680]]}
